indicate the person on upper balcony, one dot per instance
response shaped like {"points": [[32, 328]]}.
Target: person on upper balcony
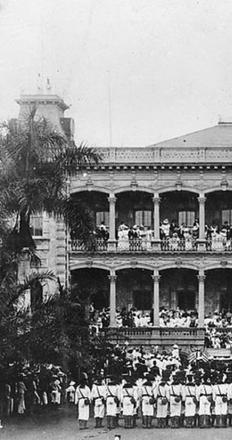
{"points": [[195, 230], [165, 229], [174, 228]]}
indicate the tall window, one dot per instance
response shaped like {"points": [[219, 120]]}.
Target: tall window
{"points": [[36, 225], [227, 216], [187, 217], [143, 218], [102, 216]]}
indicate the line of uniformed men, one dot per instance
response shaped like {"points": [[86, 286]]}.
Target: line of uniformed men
{"points": [[197, 402]]}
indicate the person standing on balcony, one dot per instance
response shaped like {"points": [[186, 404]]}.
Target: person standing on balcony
{"points": [[165, 228], [174, 242]]}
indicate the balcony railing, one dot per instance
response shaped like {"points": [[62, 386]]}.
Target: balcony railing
{"points": [[97, 245], [139, 245], [156, 335]]}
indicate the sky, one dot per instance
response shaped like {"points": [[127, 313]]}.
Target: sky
{"points": [[155, 68]]}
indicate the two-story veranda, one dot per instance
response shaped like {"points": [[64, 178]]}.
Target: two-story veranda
{"points": [[182, 179]]}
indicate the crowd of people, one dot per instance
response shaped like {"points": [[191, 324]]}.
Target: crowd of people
{"points": [[167, 318], [25, 388], [214, 323], [172, 235], [162, 389], [126, 385]]}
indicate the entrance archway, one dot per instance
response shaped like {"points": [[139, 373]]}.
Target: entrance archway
{"points": [[91, 286], [218, 291], [134, 289], [180, 207], [178, 289]]}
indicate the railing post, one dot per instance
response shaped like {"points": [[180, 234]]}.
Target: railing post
{"points": [[112, 240], [156, 278], [201, 300], [201, 241], [156, 219], [112, 277]]}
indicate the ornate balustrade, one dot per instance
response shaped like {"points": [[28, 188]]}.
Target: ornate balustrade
{"points": [[139, 245], [167, 155], [97, 245], [183, 336]]}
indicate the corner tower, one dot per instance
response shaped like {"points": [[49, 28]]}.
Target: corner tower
{"points": [[50, 107]]}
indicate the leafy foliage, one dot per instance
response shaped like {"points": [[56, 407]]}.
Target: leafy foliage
{"points": [[36, 165]]}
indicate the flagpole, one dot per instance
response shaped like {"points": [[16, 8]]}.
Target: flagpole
{"points": [[110, 110]]}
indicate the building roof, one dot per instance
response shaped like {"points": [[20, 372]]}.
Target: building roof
{"points": [[217, 136]]}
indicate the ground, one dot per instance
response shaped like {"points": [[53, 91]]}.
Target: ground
{"points": [[63, 426]]}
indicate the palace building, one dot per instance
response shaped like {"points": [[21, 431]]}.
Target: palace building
{"points": [[163, 228]]}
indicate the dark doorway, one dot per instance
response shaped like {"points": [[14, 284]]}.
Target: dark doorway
{"points": [[186, 299], [142, 300]]}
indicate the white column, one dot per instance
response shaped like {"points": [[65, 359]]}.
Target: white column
{"points": [[156, 218], [201, 240], [112, 240], [112, 278], [201, 300], [156, 278]]}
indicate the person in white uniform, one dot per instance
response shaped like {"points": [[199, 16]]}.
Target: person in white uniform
{"points": [[205, 397], [98, 395], [175, 402], [190, 402], [220, 398], [162, 396], [128, 400], [147, 402], [82, 400], [112, 402]]}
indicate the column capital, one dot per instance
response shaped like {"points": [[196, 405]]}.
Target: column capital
{"points": [[156, 198], [112, 199], [156, 276], [112, 277], [201, 275], [201, 199]]}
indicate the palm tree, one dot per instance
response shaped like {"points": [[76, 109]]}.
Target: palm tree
{"points": [[36, 162]]}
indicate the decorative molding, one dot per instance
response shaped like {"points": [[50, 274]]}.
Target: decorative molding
{"points": [[167, 155], [179, 262]]}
